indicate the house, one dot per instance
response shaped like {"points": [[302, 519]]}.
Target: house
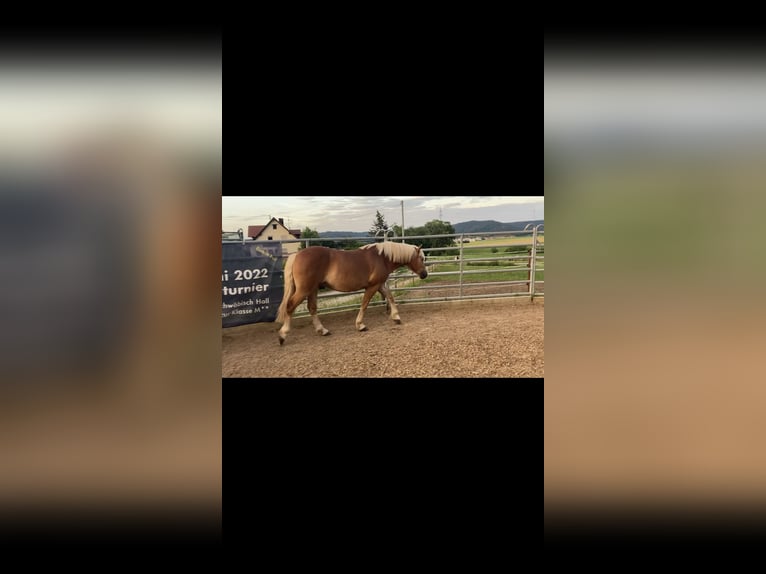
{"points": [[275, 230]]}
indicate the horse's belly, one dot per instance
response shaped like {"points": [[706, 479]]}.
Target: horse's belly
{"points": [[343, 284], [331, 285], [336, 286], [349, 279]]}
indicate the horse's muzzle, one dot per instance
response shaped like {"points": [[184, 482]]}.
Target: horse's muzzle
{"points": [[423, 274]]}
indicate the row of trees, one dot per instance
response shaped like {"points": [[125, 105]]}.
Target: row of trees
{"points": [[434, 227], [309, 233]]}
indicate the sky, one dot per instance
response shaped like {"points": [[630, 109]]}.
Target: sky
{"points": [[357, 213]]}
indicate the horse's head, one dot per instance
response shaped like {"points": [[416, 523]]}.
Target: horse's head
{"points": [[417, 263]]}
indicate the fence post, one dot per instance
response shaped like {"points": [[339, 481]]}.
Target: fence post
{"points": [[461, 266], [533, 265], [529, 265]]}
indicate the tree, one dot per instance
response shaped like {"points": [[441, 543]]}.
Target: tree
{"points": [[309, 233], [435, 227], [378, 224], [348, 244], [438, 227]]}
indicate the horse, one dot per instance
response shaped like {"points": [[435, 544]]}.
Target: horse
{"points": [[367, 267]]}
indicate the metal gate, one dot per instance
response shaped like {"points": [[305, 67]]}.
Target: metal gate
{"points": [[455, 272]]}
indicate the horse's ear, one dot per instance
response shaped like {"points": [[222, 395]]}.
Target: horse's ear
{"points": [[418, 247]]}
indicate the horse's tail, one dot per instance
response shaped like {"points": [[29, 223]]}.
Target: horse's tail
{"points": [[289, 288]]}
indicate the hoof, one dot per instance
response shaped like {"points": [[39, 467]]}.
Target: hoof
{"points": [[398, 321], [363, 328], [281, 341], [324, 333]]}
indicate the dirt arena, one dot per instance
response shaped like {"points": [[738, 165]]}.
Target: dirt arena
{"points": [[480, 338]]}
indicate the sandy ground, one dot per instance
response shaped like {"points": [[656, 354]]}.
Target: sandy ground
{"points": [[481, 338]]}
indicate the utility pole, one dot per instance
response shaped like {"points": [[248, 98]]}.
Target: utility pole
{"points": [[402, 202]]}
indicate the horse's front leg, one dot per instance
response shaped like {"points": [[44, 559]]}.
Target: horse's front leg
{"points": [[369, 292], [390, 304]]}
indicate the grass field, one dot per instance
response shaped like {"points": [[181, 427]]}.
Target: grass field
{"points": [[484, 248], [507, 241]]}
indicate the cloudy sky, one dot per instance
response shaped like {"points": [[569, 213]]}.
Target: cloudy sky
{"points": [[357, 213]]}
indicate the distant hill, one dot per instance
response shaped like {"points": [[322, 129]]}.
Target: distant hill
{"points": [[492, 225], [463, 227], [331, 234]]}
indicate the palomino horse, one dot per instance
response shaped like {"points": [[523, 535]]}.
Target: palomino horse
{"points": [[365, 268]]}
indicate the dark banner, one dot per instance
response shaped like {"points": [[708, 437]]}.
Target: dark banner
{"points": [[253, 282]]}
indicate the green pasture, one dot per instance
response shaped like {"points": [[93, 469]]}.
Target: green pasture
{"points": [[507, 241], [516, 247], [505, 275]]}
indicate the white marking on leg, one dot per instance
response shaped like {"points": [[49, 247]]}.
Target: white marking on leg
{"points": [[284, 330], [318, 325], [392, 306], [365, 301], [285, 327], [359, 318]]}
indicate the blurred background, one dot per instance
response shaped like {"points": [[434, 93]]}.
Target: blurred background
{"points": [[654, 175], [110, 177]]}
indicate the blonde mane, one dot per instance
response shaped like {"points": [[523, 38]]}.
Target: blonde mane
{"points": [[396, 252]]}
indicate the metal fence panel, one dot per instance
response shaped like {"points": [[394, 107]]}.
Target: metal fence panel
{"points": [[330, 301], [403, 283]]}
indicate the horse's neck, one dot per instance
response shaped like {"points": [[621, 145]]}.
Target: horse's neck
{"points": [[392, 265]]}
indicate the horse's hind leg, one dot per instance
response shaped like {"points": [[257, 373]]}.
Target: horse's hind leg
{"points": [[296, 299], [314, 317], [390, 304], [383, 296], [285, 329]]}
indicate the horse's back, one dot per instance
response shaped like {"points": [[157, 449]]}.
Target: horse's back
{"points": [[314, 250], [315, 254], [333, 268], [318, 254]]}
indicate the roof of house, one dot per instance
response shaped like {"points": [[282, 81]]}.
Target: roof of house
{"points": [[256, 230]]}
